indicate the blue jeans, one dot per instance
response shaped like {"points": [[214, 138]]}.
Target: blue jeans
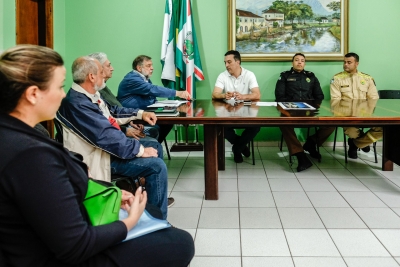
{"points": [[151, 131], [153, 169]]}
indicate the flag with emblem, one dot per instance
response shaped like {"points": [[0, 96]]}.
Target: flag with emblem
{"points": [[168, 46], [187, 52]]}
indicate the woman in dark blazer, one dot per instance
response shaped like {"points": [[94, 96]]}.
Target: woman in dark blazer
{"points": [[42, 186]]}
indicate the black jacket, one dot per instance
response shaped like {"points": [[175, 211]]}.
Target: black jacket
{"points": [[42, 219], [295, 86]]}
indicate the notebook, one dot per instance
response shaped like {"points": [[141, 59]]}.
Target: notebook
{"points": [[146, 224]]}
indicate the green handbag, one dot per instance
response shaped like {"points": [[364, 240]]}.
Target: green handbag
{"points": [[102, 202]]}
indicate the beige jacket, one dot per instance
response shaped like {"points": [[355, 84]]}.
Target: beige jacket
{"points": [[98, 160], [353, 86]]}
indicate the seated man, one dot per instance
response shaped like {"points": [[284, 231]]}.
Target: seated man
{"points": [[86, 113], [237, 83], [297, 84], [137, 91], [352, 84], [137, 131]]}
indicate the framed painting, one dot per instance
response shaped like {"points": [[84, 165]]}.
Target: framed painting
{"points": [[274, 30]]}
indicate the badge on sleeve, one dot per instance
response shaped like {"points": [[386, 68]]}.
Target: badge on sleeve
{"points": [[308, 80], [362, 82]]}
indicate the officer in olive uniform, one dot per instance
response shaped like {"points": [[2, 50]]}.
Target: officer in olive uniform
{"points": [[297, 84]]}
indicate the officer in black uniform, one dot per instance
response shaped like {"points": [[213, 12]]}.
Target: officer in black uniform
{"points": [[298, 84]]}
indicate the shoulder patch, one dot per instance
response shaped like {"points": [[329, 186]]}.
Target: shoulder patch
{"points": [[362, 74], [341, 74], [283, 74], [332, 81]]}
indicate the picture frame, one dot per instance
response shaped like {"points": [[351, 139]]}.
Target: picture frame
{"points": [[274, 30]]}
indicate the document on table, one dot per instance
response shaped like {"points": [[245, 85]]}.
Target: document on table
{"points": [[167, 103], [266, 104]]}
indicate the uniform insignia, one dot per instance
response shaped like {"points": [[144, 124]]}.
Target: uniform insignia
{"points": [[308, 80], [291, 79], [362, 82], [332, 80]]}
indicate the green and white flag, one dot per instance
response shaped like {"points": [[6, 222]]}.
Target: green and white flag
{"points": [[187, 53], [179, 52], [168, 46]]}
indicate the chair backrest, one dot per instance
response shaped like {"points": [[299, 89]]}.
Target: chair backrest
{"points": [[389, 94], [2, 260], [59, 134]]}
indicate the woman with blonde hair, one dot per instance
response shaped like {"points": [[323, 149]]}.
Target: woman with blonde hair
{"points": [[42, 186]]}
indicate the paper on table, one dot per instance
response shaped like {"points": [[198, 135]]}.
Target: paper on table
{"points": [[266, 104], [167, 103]]}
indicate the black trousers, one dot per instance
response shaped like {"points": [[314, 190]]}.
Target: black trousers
{"points": [[240, 141]]}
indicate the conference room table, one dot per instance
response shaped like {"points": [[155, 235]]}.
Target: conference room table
{"points": [[215, 114]]}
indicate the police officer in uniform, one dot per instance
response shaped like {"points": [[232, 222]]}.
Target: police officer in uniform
{"points": [[298, 84]]}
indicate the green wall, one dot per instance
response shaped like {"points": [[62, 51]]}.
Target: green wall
{"points": [[7, 24], [126, 28], [1, 26], [59, 27]]}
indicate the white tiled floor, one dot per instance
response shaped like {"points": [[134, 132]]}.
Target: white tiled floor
{"points": [[333, 214]]}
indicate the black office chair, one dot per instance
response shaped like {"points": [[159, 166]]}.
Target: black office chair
{"points": [[383, 94], [166, 148], [345, 145], [389, 94], [251, 144], [2, 260]]}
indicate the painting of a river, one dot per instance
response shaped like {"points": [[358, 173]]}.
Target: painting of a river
{"points": [[272, 30]]}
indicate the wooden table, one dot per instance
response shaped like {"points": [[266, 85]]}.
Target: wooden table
{"points": [[213, 115]]}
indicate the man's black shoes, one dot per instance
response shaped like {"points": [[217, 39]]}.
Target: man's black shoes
{"points": [[366, 149], [237, 154], [304, 162], [311, 147], [246, 151], [352, 153]]}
